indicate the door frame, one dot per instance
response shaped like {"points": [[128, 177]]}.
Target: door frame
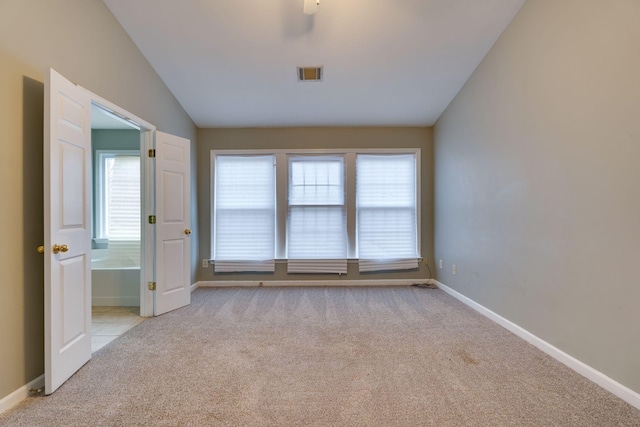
{"points": [[147, 177]]}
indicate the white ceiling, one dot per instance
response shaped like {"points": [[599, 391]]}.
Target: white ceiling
{"points": [[232, 63]]}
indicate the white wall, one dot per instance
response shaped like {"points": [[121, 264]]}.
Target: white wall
{"points": [[537, 181]]}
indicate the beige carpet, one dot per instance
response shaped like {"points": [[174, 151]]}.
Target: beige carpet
{"points": [[323, 356]]}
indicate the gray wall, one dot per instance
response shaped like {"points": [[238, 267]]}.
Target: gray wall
{"points": [[114, 139], [537, 181], [84, 42], [313, 138]]}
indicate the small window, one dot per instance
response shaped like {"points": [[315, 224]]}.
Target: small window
{"points": [[118, 196]]}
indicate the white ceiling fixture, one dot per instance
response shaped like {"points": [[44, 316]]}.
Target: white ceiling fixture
{"points": [[310, 6], [393, 63]]}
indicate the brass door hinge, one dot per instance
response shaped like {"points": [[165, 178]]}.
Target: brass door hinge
{"points": [[152, 219], [152, 152], [152, 286]]}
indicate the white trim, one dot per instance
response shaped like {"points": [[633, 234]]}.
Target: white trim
{"points": [[297, 237], [284, 260], [147, 237], [308, 283], [119, 111], [609, 384], [99, 187], [194, 286], [147, 177], [20, 394], [321, 151], [212, 203]]}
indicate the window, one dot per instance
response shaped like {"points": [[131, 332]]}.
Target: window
{"points": [[118, 211], [244, 209], [118, 201], [386, 211], [316, 222], [315, 210]]}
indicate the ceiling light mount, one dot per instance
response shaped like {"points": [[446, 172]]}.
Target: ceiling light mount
{"points": [[311, 6]]}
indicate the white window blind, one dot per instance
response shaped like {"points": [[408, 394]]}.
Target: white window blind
{"points": [[244, 213], [122, 197], [386, 211], [118, 207], [316, 226]]}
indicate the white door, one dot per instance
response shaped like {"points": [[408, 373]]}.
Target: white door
{"points": [[67, 224], [173, 213]]}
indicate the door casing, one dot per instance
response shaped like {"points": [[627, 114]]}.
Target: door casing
{"points": [[147, 142]]}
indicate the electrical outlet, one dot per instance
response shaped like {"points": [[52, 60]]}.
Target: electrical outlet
{"points": [[205, 263], [454, 270], [440, 264]]}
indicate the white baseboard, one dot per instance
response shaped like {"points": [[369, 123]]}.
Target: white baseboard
{"points": [[20, 394], [194, 286], [298, 283], [609, 384], [116, 301]]}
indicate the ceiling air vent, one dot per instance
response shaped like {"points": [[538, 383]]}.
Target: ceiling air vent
{"points": [[310, 74]]}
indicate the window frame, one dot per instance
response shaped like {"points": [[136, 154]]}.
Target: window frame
{"points": [[291, 158], [282, 186], [255, 265], [100, 189], [397, 262]]}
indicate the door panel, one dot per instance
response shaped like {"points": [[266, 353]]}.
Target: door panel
{"points": [[173, 274], [173, 205], [72, 201], [67, 194], [73, 295], [173, 184]]}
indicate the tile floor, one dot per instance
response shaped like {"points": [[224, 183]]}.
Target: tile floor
{"points": [[108, 323]]}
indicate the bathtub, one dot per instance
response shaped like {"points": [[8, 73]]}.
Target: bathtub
{"points": [[115, 286], [114, 282]]}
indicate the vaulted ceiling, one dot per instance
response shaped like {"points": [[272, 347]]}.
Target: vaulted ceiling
{"points": [[232, 63]]}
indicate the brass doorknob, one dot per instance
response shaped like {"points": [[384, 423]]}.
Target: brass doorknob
{"points": [[59, 248], [40, 249], [187, 231]]}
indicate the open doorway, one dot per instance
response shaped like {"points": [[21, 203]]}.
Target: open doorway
{"points": [[116, 256]]}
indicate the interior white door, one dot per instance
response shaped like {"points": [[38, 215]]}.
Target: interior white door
{"points": [[67, 224], [173, 213]]}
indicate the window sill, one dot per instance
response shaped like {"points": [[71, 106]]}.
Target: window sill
{"points": [[285, 260]]}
